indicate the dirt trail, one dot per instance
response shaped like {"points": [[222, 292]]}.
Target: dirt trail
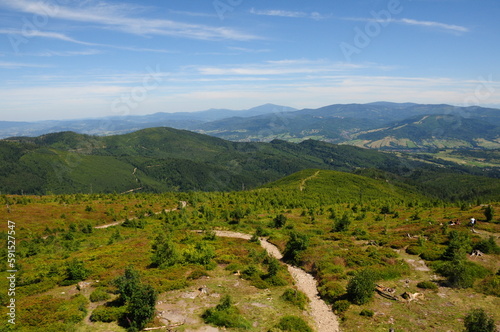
{"points": [[325, 319], [303, 183]]}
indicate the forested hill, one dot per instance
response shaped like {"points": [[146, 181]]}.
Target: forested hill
{"points": [[166, 159]]}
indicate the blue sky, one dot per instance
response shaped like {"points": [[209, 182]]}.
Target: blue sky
{"points": [[62, 59]]}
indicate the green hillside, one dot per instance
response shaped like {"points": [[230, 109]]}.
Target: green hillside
{"points": [[433, 131], [166, 159]]}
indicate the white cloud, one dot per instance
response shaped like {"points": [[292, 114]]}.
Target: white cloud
{"points": [[430, 24], [50, 53], [117, 17], [43, 34], [408, 21], [287, 13], [285, 67], [16, 65]]}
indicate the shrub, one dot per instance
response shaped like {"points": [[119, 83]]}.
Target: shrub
{"points": [[279, 221], [461, 273], [366, 313], [458, 247], [201, 254], [293, 324], [361, 287], [490, 285], [331, 290], [341, 306], [295, 245], [478, 321], [107, 314], [489, 212], [295, 297], [197, 274], [76, 271], [99, 295], [342, 224], [141, 306], [225, 315], [165, 251], [427, 285], [488, 246]]}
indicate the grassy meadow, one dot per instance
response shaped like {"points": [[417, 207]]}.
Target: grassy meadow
{"points": [[331, 224]]}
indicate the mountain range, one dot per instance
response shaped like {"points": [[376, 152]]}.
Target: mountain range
{"points": [[380, 125]]}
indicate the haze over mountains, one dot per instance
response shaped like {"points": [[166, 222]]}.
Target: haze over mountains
{"points": [[380, 125]]}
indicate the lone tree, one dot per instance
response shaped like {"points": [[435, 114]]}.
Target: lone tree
{"points": [[279, 221], [139, 298], [342, 224], [295, 245], [478, 321], [361, 287], [489, 212]]}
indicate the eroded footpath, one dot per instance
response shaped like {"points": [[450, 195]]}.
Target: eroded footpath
{"points": [[325, 319]]}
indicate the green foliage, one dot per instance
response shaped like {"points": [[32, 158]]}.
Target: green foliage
{"points": [[478, 321], [489, 213], [279, 221], [295, 245], [461, 273], [225, 315], [165, 251], [367, 313], [459, 246], [341, 306], [295, 297], [488, 246], [141, 306], [107, 314], [99, 295], [490, 285], [331, 291], [361, 287], [76, 271], [293, 324], [342, 224], [201, 253], [127, 283], [139, 298], [427, 285]]}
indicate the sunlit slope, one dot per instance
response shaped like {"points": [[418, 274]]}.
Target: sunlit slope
{"points": [[341, 186]]}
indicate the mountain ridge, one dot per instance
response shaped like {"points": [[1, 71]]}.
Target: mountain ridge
{"points": [[166, 159]]}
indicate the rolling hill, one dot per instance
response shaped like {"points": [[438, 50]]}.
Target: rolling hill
{"points": [[166, 159]]}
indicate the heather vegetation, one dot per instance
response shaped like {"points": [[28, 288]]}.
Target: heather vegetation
{"points": [[354, 234]]}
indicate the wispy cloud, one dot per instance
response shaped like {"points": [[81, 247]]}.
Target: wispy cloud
{"points": [[287, 13], [50, 53], [17, 65], [43, 34], [282, 67], [119, 18], [249, 50], [407, 21], [430, 24], [193, 14]]}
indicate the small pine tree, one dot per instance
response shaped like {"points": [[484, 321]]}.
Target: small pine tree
{"points": [[489, 212], [361, 287], [280, 221], [342, 224], [478, 321]]}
